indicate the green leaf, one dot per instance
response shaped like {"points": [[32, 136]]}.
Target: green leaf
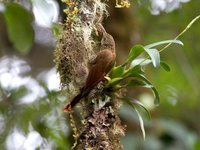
{"points": [[117, 72], [136, 71], [131, 104], [163, 42], [138, 82], [133, 71], [130, 101], [135, 82], [20, 31], [135, 52], [145, 83], [140, 61], [141, 123], [136, 102], [18, 93], [154, 55], [156, 94], [165, 66], [115, 81]]}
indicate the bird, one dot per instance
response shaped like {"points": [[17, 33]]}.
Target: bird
{"points": [[99, 67]]}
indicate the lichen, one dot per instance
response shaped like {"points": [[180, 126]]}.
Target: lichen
{"points": [[102, 130]]}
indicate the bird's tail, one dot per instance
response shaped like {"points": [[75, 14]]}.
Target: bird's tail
{"points": [[74, 101], [84, 92]]}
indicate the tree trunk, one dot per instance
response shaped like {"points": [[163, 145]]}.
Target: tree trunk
{"points": [[100, 127]]}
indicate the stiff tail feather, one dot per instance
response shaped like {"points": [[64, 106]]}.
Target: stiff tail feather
{"points": [[74, 101], [84, 92]]}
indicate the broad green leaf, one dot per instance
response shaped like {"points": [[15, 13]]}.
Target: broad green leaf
{"points": [[140, 61], [163, 42], [133, 71], [165, 66], [117, 72], [135, 52], [154, 55], [20, 31]]}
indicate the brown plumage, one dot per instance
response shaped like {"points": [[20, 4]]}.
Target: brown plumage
{"points": [[100, 66]]}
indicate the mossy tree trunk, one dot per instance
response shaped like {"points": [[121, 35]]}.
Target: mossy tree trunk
{"points": [[100, 127]]}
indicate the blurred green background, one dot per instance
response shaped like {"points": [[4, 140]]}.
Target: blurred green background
{"points": [[31, 105]]}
